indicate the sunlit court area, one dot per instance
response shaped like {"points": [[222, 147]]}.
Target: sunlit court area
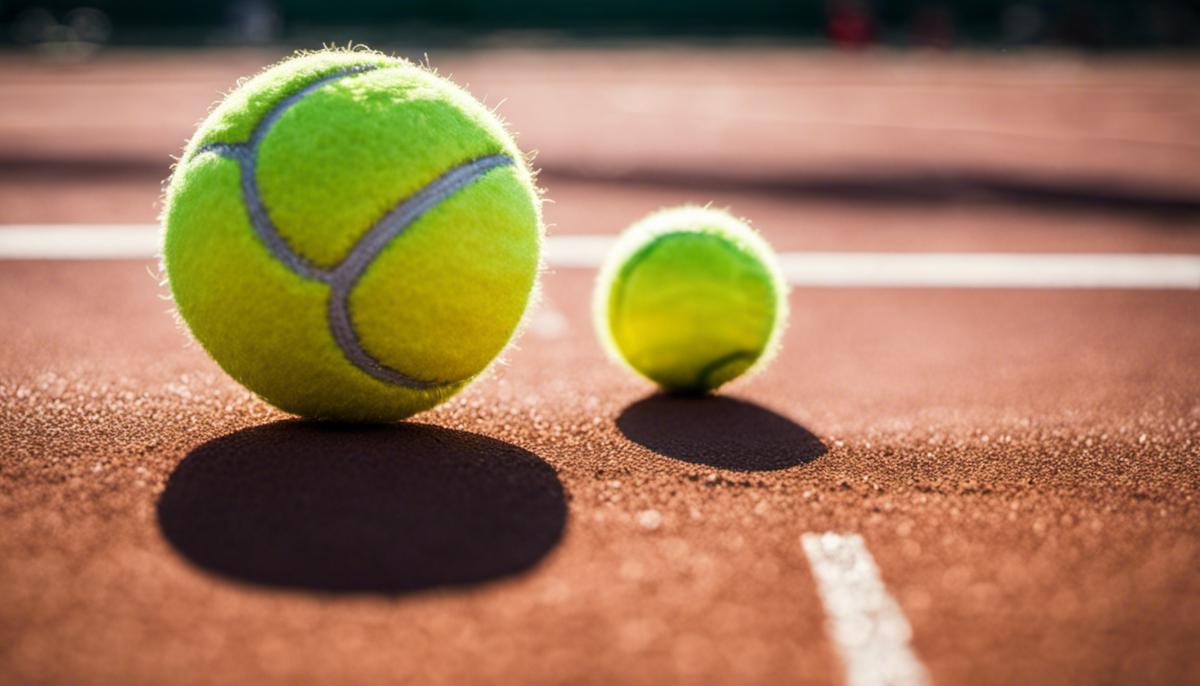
{"points": [[361, 342]]}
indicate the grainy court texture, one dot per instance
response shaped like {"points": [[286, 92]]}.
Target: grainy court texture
{"points": [[931, 485]]}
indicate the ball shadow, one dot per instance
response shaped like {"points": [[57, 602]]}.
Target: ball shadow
{"points": [[352, 509], [719, 432]]}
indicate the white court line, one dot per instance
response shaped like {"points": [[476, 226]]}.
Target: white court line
{"points": [[79, 241], [814, 269], [864, 622], [992, 270]]}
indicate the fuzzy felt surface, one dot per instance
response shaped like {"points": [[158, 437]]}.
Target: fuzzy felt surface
{"points": [[438, 302], [341, 157], [691, 298]]}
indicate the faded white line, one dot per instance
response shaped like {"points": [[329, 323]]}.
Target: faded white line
{"points": [[864, 622], [578, 251], [808, 269], [992, 270], [79, 241]]}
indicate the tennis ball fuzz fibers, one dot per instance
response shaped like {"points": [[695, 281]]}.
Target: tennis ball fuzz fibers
{"points": [[351, 237], [691, 298]]}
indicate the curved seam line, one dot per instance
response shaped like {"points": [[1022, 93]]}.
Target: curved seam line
{"points": [[343, 277], [640, 256], [246, 155], [617, 300], [702, 377]]}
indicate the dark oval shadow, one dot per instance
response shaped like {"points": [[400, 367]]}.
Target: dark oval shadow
{"points": [[386, 509], [719, 431]]}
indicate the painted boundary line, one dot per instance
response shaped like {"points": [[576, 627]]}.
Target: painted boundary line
{"points": [[864, 622], [79, 241], [811, 269], [944, 270]]}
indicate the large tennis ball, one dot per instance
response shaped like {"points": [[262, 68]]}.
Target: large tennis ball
{"points": [[691, 298], [351, 236]]}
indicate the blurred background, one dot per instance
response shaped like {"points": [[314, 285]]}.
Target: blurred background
{"points": [[842, 125], [1096, 25]]}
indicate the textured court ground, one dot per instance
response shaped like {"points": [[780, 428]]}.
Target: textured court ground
{"points": [[1022, 464]]}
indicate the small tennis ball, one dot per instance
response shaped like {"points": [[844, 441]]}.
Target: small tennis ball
{"points": [[352, 237], [691, 298]]}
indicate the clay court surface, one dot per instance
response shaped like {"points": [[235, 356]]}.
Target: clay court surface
{"points": [[1023, 464]]}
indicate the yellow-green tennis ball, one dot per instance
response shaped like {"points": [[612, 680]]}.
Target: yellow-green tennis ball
{"points": [[691, 298], [351, 236]]}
